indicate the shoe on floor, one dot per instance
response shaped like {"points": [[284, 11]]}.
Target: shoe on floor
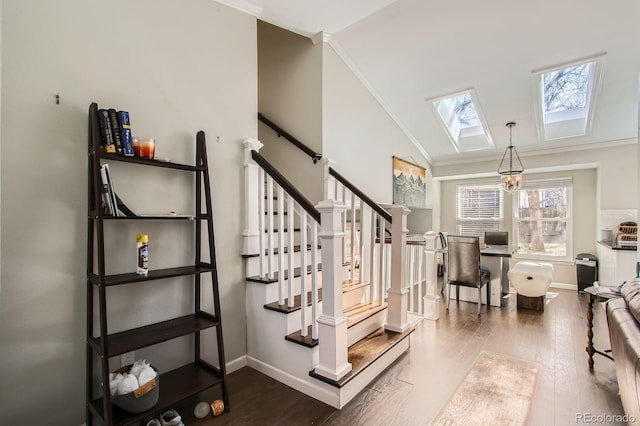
{"points": [[171, 418]]}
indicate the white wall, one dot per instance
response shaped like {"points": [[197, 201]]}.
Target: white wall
{"points": [[290, 95], [178, 68], [360, 136]]}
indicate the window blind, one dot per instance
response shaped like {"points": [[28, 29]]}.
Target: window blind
{"points": [[479, 209]]}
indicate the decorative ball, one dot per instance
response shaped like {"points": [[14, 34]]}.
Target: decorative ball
{"points": [[202, 410], [217, 407]]}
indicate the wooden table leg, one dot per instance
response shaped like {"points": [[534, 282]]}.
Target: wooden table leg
{"points": [[590, 349]]}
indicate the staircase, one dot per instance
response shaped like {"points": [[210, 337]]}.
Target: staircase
{"points": [[326, 310]]}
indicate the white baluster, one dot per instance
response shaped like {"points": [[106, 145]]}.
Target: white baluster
{"points": [[352, 276], [270, 227], [411, 265], [281, 291], [303, 272], [314, 279], [372, 247], [261, 227], [290, 264], [381, 260], [420, 256]]}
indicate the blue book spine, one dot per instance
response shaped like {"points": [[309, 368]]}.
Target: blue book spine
{"points": [[125, 132]]}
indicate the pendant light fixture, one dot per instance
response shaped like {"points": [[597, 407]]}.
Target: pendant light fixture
{"points": [[511, 173]]}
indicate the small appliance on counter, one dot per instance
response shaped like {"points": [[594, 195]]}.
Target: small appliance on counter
{"points": [[627, 234]]}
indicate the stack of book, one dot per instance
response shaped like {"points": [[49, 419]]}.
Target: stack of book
{"points": [[115, 131], [111, 203]]}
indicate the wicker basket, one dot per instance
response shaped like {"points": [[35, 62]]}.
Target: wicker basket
{"points": [[141, 399], [628, 231]]}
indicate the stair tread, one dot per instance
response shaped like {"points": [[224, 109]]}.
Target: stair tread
{"points": [[364, 352], [361, 312], [286, 309], [297, 337], [276, 276]]}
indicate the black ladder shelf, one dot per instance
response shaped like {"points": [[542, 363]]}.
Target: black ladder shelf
{"points": [[182, 382]]}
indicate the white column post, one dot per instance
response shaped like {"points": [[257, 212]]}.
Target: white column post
{"points": [[432, 295], [251, 234], [398, 292], [329, 181], [332, 324]]}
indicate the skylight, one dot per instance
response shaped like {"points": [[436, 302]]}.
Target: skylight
{"points": [[566, 97], [462, 118]]}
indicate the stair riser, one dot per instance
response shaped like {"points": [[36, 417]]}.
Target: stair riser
{"points": [[265, 336], [353, 298], [366, 327]]}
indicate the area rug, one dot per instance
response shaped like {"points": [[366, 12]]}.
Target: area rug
{"points": [[498, 390]]}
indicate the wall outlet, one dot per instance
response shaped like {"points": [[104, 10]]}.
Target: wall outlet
{"points": [[128, 358]]}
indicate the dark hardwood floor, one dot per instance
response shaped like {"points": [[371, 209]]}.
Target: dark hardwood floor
{"points": [[413, 391]]}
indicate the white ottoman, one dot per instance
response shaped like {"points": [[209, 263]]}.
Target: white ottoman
{"points": [[531, 281]]}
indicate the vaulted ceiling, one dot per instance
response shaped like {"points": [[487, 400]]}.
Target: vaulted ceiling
{"points": [[408, 51]]}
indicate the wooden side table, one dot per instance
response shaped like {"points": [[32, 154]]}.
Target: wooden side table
{"points": [[595, 294]]}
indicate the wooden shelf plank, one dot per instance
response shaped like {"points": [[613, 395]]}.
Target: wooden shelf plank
{"points": [[130, 340], [146, 161], [175, 386], [155, 274]]}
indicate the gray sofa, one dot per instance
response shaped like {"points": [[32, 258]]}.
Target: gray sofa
{"points": [[623, 319]]}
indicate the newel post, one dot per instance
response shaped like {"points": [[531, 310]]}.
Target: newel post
{"points": [[332, 324], [251, 233], [432, 295], [398, 292], [329, 181]]}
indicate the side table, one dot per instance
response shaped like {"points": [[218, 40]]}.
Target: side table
{"points": [[595, 294]]}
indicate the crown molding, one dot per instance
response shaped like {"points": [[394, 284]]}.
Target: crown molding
{"points": [[524, 153], [352, 66], [321, 37], [243, 6]]}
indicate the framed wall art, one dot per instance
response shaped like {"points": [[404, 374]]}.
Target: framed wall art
{"points": [[409, 184]]}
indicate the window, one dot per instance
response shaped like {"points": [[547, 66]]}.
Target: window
{"points": [[479, 209], [566, 96], [462, 118], [543, 219]]}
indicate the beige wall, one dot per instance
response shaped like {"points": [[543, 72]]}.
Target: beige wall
{"points": [[362, 138], [290, 95], [178, 68], [585, 213]]}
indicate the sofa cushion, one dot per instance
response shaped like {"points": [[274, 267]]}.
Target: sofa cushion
{"points": [[631, 294]]}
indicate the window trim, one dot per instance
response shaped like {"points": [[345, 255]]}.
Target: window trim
{"points": [[477, 132], [567, 127], [567, 182]]}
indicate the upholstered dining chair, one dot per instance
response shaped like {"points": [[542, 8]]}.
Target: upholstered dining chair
{"points": [[496, 238], [464, 269]]}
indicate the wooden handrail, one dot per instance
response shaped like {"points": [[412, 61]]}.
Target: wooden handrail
{"points": [[382, 212], [315, 156], [286, 185]]}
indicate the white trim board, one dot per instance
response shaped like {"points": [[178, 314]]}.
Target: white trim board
{"points": [[564, 286]]}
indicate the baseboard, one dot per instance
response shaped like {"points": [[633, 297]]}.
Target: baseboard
{"points": [[236, 364], [314, 391], [564, 286]]}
